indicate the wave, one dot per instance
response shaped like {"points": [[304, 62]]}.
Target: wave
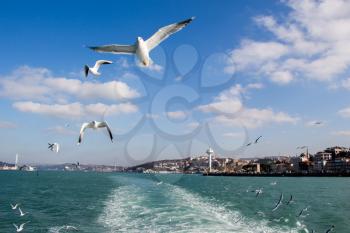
{"points": [[169, 208]]}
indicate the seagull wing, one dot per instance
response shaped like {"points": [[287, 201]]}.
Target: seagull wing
{"points": [[115, 48], [256, 141], [278, 203], [82, 129], [57, 147], [15, 226], [104, 124], [165, 32], [101, 62]]}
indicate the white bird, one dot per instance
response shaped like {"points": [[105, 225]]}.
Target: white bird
{"points": [[142, 48], [21, 227], [21, 213], [68, 228], [94, 70], [54, 147], [14, 206], [94, 125]]}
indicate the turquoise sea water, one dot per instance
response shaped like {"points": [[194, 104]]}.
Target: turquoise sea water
{"points": [[96, 202]]}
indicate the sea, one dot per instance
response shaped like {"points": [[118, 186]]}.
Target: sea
{"points": [[128, 202]]}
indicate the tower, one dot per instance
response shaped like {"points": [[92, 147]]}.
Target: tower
{"points": [[210, 153]]}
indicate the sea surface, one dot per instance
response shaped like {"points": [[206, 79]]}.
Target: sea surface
{"points": [[116, 202]]}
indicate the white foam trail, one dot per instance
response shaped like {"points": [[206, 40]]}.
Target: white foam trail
{"points": [[169, 208]]}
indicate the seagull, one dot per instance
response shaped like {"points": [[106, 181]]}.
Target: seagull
{"points": [[258, 192], [249, 144], [68, 228], [14, 206], [142, 47], [94, 70], [159, 183], [21, 212], [94, 125], [330, 229], [256, 140], [273, 183], [278, 203], [302, 211], [20, 228], [290, 200], [54, 147]]}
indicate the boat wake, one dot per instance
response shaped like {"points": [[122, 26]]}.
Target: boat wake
{"points": [[168, 208]]}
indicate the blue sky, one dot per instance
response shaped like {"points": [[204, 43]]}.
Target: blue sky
{"points": [[241, 69]]}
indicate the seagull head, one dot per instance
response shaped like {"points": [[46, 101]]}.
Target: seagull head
{"points": [[139, 39]]}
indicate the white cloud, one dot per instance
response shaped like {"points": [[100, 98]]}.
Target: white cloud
{"points": [[229, 109], [7, 125], [27, 83], [312, 42], [281, 77], [345, 112], [178, 115], [61, 130], [254, 118], [233, 135], [75, 110], [152, 116], [341, 133]]}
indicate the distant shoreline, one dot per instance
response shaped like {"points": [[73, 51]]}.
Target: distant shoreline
{"points": [[282, 175]]}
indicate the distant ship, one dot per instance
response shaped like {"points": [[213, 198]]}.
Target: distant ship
{"points": [[10, 167]]}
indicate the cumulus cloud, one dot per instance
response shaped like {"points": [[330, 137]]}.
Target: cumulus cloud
{"points": [[178, 115], [312, 42], [74, 110], [341, 133], [61, 130], [345, 112], [27, 83], [7, 125], [229, 110]]}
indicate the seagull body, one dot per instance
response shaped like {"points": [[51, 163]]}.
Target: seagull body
{"points": [[142, 47], [68, 228], [258, 192], [278, 203], [94, 70], [54, 147], [94, 125], [14, 206], [330, 229], [290, 200], [21, 213], [21, 227], [273, 183], [302, 211]]}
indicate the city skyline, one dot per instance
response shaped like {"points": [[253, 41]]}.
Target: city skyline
{"points": [[238, 71]]}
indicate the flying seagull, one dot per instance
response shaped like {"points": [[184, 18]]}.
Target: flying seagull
{"points": [[256, 140], [54, 147], [142, 47], [14, 206], [94, 70], [20, 228], [330, 229], [258, 192], [94, 125], [21, 213], [290, 200], [302, 211], [68, 228], [278, 203]]}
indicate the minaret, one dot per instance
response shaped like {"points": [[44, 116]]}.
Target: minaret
{"points": [[16, 162], [210, 153]]}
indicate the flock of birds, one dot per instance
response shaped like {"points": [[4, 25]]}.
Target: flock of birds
{"points": [[280, 202], [141, 48], [20, 228]]}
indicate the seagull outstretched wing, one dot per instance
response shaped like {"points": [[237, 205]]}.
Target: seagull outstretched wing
{"points": [[101, 62], [82, 129], [115, 48], [165, 32], [104, 124]]}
